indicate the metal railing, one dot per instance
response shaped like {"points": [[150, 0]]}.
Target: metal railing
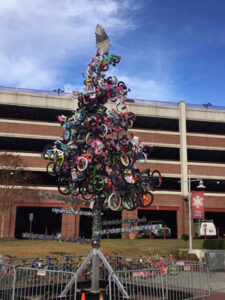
{"points": [[32, 91], [215, 259], [174, 281], [7, 281], [188, 281], [143, 101], [30, 283], [138, 284]]}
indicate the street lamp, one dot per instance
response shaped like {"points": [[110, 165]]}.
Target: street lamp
{"points": [[200, 186]]}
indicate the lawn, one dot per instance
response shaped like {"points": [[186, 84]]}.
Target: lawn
{"points": [[140, 247]]}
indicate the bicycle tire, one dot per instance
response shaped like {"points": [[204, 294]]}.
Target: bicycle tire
{"points": [[58, 166], [157, 179], [122, 137], [66, 134], [45, 152], [112, 96], [122, 84], [98, 182], [86, 190], [82, 163], [74, 188], [63, 186], [103, 130], [104, 67], [116, 177], [130, 122], [50, 168], [127, 205], [146, 198], [124, 160], [114, 201], [90, 137], [80, 138]]}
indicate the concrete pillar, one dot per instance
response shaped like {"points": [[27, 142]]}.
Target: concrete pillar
{"points": [[183, 149], [184, 166]]}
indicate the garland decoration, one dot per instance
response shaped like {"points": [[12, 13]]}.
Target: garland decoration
{"points": [[73, 211], [124, 221], [125, 229], [71, 200], [46, 237]]}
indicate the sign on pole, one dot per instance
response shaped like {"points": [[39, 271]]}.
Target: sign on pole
{"points": [[197, 205], [31, 216]]}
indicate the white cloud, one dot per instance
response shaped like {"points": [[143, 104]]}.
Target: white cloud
{"points": [[40, 37], [148, 89]]}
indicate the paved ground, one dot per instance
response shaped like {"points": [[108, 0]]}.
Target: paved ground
{"points": [[217, 286]]}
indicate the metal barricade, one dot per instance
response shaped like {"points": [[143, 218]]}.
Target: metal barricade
{"points": [[7, 281], [182, 281], [186, 281], [215, 260], [142, 284], [118, 262], [33, 283]]}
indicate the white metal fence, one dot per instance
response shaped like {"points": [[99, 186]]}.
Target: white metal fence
{"points": [[173, 281], [30, 283], [215, 259]]}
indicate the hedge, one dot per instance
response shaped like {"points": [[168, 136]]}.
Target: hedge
{"points": [[214, 244]]}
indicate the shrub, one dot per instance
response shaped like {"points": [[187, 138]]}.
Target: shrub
{"points": [[185, 237], [214, 244]]}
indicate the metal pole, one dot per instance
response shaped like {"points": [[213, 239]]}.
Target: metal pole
{"points": [[189, 211]]}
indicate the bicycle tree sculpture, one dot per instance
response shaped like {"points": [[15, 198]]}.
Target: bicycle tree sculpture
{"points": [[96, 161]]}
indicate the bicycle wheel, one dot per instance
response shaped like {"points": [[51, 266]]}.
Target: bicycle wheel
{"points": [[114, 201], [82, 163], [122, 136], [74, 188], [98, 183], [103, 130], [122, 85], [108, 170], [97, 145], [124, 159], [58, 165], [142, 158], [112, 96], [104, 67], [157, 179], [66, 134], [80, 138], [80, 114], [146, 198], [116, 177], [90, 137], [87, 190], [47, 152], [128, 204], [51, 168], [63, 186]]}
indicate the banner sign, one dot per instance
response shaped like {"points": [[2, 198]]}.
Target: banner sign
{"points": [[197, 205]]}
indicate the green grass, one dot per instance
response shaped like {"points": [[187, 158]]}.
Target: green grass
{"points": [[138, 247]]}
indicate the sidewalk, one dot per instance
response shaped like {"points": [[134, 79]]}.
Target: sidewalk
{"points": [[217, 286], [217, 296]]}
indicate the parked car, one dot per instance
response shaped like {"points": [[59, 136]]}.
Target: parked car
{"points": [[157, 229], [204, 228]]}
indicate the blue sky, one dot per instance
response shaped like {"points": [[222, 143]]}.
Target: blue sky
{"points": [[171, 50]]}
